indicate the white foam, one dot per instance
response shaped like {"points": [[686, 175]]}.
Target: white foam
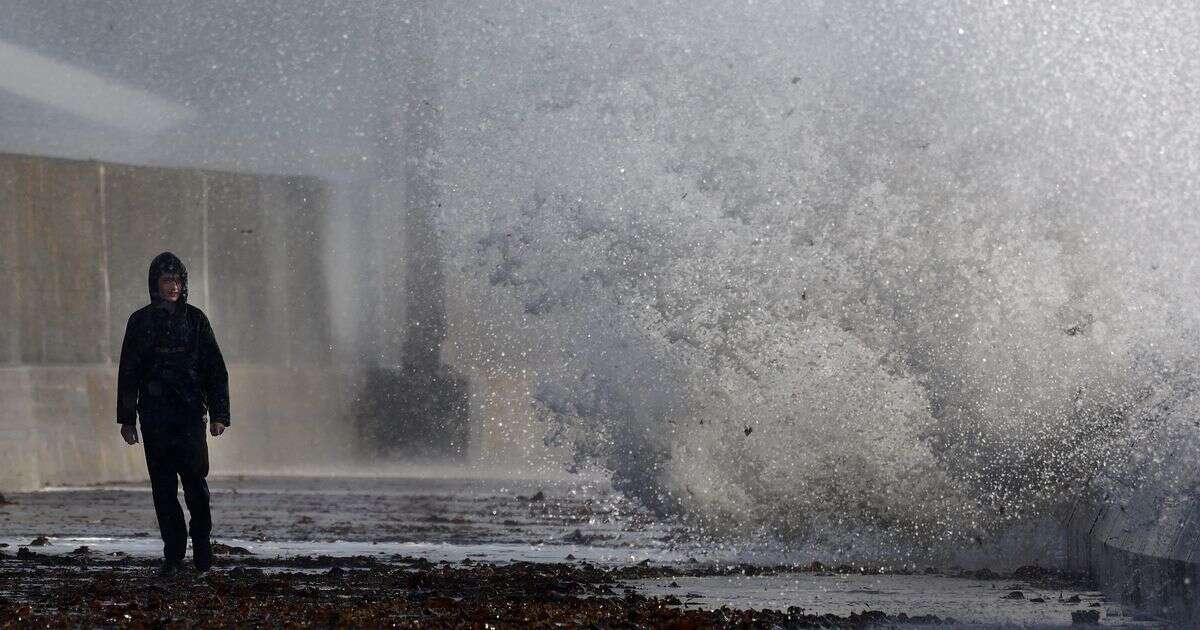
{"points": [[869, 276]]}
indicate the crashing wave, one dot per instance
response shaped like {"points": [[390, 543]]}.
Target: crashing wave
{"points": [[802, 270]]}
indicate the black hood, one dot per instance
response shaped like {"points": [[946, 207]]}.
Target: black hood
{"points": [[167, 262]]}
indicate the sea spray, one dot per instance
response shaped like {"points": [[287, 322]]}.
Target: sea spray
{"points": [[806, 270]]}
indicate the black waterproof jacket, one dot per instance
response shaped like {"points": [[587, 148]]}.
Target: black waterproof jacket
{"points": [[171, 368]]}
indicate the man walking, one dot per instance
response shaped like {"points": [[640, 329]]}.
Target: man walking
{"points": [[171, 374]]}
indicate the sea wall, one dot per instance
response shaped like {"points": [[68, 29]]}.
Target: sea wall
{"points": [[76, 238], [1142, 547]]}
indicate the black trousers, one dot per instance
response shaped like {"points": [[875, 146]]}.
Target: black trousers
{"points": [[177, 452]]}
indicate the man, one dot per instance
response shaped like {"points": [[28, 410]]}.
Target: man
{"points": [[171, 374]]}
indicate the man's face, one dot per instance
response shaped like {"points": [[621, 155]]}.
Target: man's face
{"points": [[169, 287]]}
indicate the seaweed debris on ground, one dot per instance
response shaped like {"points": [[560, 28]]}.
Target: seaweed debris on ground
{"points": [[77, 591]]}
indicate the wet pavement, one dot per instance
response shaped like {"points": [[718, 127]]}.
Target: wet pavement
{"points": [[496, 520], [967, 601], [519, 552]]}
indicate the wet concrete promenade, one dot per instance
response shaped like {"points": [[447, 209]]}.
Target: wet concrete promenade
{"points": [[294, 535]]}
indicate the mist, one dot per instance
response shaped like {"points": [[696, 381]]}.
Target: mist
{"points": [[874, 276], [855, 277]]}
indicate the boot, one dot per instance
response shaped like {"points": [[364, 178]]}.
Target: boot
{"points": [[202, 554]]}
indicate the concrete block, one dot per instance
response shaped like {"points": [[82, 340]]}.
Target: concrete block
{"points": [[53, 267], [287, 418], [19, 434], [57, 428], [245, 273], [149, 211], [13, 274], [295, 205]]}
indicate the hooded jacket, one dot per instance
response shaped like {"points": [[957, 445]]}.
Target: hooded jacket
{"points": [[171, 368]]}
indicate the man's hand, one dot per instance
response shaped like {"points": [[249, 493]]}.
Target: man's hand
{"points": [[129, 432], [216, 427]]}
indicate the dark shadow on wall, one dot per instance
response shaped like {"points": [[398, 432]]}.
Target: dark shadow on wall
{"points": [[420, 409], [414, 412]]}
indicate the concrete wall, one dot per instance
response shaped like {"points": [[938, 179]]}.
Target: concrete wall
{"points": [[76, 239], [57, 427], [1143, 544], [51, 262]]}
